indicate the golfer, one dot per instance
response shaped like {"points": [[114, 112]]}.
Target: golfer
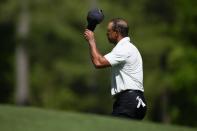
{"points": [[127, 70]]}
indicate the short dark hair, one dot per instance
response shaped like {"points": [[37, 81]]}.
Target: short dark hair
{"points": [[120, 26]]}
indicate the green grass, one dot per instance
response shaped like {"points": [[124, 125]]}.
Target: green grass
{"points": [[33, 119]]}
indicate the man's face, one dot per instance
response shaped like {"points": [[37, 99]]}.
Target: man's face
{"points": [[111, 35]]}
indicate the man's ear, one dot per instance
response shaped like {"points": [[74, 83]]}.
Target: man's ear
{"points": [[116, 34]]}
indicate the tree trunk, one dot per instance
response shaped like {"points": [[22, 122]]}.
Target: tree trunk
{"points": [[22, 86], [164, 107]]}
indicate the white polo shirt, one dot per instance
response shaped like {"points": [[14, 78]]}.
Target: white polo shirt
{"points": [[126, 62]]}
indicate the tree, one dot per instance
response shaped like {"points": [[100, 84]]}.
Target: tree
{"points": [[22, 81]]}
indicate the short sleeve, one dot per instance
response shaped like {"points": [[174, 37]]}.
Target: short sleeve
{"points": [[115, 58]]}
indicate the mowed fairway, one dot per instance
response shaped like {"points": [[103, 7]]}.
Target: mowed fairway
{"points": [[33, 119]]}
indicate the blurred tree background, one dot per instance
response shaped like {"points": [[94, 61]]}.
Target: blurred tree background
{"points": [[61, 75]]}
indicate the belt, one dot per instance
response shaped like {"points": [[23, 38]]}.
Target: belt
{"points": [[127, 91]]}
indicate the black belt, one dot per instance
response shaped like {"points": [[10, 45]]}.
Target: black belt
{"points": [[127, 91]]}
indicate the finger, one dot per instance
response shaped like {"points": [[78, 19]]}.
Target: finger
{"points": [[85, 36], [87, 30], [85, 33]]}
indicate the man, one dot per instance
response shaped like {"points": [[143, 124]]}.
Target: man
{"points": [[127, 71]]}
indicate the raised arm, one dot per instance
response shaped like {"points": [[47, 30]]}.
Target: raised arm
{"points": [[98, 60]]}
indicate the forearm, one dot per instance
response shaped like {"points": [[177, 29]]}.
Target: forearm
{"points": [[96, 56]]}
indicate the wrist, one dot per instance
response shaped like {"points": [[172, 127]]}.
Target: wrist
{"points": [[92, 42]]}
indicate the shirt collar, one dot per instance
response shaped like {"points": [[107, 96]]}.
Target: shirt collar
{"points": [[124, 39]]}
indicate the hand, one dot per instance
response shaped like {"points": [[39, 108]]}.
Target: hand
{"points": [[89, 35]]}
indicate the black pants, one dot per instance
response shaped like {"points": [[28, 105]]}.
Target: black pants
{"points": [[130, 104]]}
